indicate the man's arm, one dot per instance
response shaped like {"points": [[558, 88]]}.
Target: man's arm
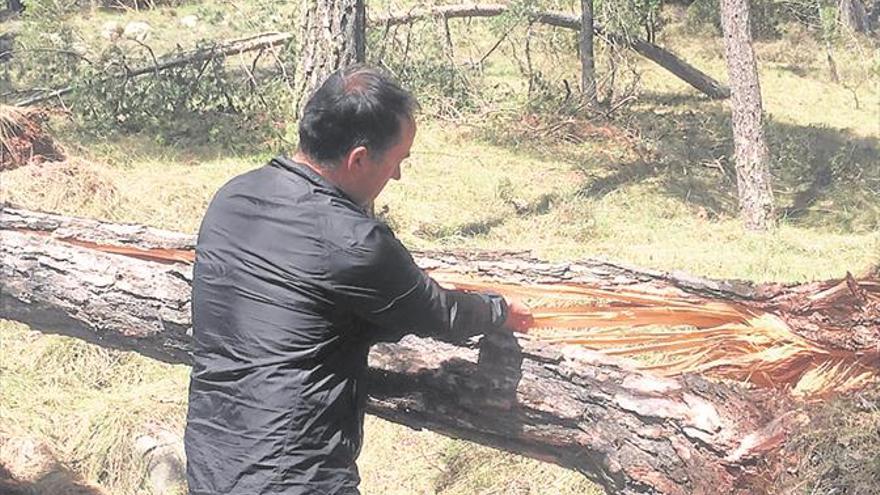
{"points": [[378, 279]]}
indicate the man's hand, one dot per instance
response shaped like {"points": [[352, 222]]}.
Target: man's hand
{"points": [[519, 317]]}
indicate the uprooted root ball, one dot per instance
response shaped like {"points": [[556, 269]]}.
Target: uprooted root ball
{"points": [[24, 139]]}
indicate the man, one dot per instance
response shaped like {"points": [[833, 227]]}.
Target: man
{"points": [[293, 282]]}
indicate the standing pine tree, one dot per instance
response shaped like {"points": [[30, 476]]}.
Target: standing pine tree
{"points": [[588, 64], [752, 157], [333, 35]]}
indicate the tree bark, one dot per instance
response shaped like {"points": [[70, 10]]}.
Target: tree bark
{"points": [[853, 15], [631, 430], [588, 65], [873, 15], [752, 157], [15, 5], [333, 36]]}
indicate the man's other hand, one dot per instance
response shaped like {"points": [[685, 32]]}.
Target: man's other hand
{"points": [[519, 317]]}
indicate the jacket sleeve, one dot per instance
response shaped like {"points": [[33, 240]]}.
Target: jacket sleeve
{"points": [[379, 281]]}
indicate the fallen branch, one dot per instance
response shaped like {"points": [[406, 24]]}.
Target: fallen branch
{"points": [[243, 45]]}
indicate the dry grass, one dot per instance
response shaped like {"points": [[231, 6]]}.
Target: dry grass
{"points": [[839, 453], [29, 467], [87, 402]]}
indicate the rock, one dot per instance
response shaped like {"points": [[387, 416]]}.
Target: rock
{"points": [[28, 466], [189, 21], [111, 30], [137, 30], [163, 455]]}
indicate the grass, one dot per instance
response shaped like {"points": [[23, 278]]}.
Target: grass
{"points": [[839, 453], [653, 186], [89, 403], [637, 223]]}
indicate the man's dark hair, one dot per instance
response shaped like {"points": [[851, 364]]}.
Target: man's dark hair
{"points": [[356, 106]]}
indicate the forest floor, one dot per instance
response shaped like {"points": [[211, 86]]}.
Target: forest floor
{"points": [[652, 185]]}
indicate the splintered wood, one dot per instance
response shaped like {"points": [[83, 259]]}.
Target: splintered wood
{"points": [[669, 333]]}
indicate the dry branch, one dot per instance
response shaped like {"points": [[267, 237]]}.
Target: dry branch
{"points": [[632, 431]]}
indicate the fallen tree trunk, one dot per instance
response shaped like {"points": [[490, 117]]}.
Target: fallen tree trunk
{"points": [[128, 286], [664, 58]]}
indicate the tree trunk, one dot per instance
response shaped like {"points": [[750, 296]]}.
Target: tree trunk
{"points": [[629, 428], [853, 15], [588, 66], [752, 157], [873, 15], [15, 5], [333, 36]]}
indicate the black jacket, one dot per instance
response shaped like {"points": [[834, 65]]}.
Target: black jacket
{"points": [[292, 283]]}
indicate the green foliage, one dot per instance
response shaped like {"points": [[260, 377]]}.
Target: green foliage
{"points": [[47, 47], [703, 17], [140, 4], [637, 18], [254, 17], [770, 18], [233, 102], [828, 22]]}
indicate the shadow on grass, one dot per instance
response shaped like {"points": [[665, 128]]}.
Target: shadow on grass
{"points": [[822, 177], [680, 145], [468, 229]]}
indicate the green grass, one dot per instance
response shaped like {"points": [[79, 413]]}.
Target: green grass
{"points": [[89, 403], [455, 199], [653, 186]]}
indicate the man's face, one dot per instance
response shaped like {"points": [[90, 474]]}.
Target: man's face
{"points": [[379, 168]]}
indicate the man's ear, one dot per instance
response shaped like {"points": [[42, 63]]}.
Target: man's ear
{"points": [[357, 158]]}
